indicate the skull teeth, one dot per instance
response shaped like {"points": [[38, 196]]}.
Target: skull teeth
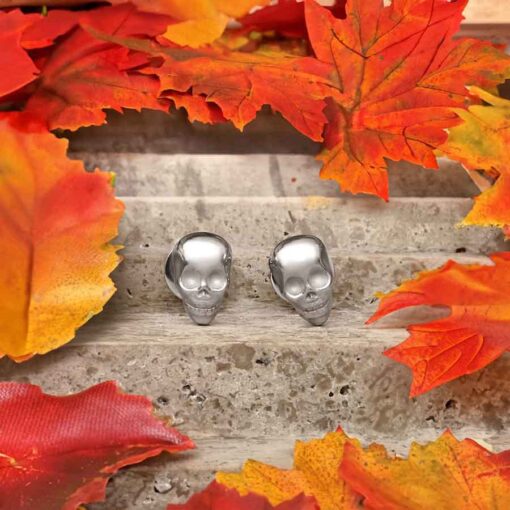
{"points": [[201, 311], [319, 310]]}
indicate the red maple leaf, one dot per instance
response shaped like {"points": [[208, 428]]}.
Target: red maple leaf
{"points": [[18, 68], [83, 76], [398, 72], [476, 333], [58, 452], [286, 17], [218, 497]]}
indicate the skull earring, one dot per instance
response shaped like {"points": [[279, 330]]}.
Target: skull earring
{"points": [[197, 271], [302, 274]]}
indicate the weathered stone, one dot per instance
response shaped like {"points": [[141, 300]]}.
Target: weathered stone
{"points": [[260, 175], [348, 224]]}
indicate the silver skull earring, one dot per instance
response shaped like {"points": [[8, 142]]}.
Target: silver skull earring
{"points": [[197, 271], [302, 274]]}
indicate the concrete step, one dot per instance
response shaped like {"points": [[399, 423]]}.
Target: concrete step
{"points": [[350, 224], [167, 478], [269, 175], [246, 375], [140, 280]]}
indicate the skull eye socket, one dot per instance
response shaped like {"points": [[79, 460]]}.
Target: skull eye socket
{"points": [[190, 279], [217, 281], [319, 279], [294, 287]]}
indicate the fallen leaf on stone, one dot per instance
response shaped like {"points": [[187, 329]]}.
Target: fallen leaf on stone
{"points": [[476, 332], [398, 73], [481, 142], [446, 474], [83, 76], [59, 452], [315, 473], [56, 220], [218, 497]]}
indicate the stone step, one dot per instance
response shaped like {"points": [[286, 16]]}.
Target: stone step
{"points": [[248, 375], [269, 175], [140, 280], [349, 224], [173, 478]]}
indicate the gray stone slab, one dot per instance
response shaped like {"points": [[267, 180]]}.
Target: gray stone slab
{"points": [[234, 389], [159, 132], [140, 280], [260, 175], [348, 224], [243, 376]]}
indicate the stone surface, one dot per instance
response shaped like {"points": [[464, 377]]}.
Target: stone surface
{"points": [[269, 175], [243, 378], [348, 223]]}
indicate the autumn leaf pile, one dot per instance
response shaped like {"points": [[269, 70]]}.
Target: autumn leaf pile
{"points": [[372, 82]]}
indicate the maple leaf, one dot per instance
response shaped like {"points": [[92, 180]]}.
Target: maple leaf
{"points": [[13, 57], [44, 30], [83, 76], [240, 83], [194, 22], [286, 17], [398, 72], [476, 332], [315, 473], [445, 474], [197, 22], [216, 497], [481, 143], [59, 452], [55, 223]]}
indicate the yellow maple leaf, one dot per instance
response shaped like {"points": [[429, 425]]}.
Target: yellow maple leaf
{"points": [[481, 142], [55, 223], [315, 473]]}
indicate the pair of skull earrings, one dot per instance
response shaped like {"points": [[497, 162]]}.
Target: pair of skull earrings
{"points": [[197, 271]]}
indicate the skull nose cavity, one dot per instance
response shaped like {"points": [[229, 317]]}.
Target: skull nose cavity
{"points": [[203, 292], [311, 295]]}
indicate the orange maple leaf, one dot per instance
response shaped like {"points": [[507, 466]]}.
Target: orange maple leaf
{"points": [[481, 142], [315, 473], [59, 452], [475, 333], [397, 72], [239, 83], [446, 474], [201, 21], [55, 223]]}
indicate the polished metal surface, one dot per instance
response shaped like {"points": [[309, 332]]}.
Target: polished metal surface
{"points": [[198, 272], [302, 274]]}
